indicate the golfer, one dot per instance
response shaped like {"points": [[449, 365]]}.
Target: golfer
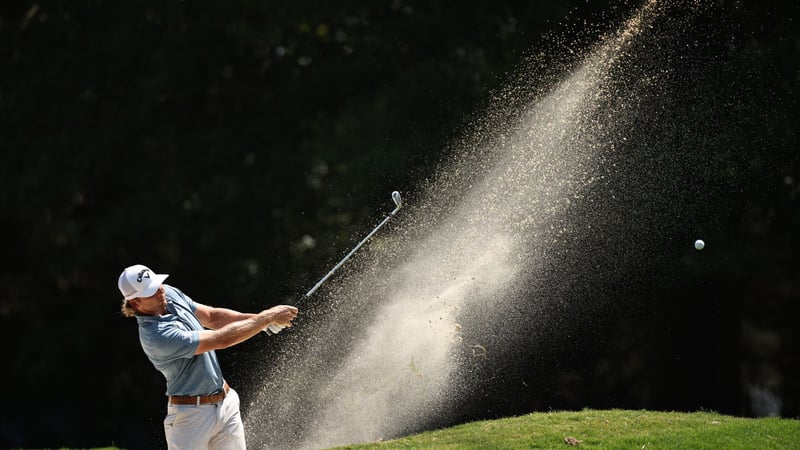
{"points": [[179, 336]]}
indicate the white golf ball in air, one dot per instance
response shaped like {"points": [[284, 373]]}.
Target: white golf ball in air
{"points": [[699, 244]]}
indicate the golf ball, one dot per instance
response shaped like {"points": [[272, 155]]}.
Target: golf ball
{"points": [[699, 244]]}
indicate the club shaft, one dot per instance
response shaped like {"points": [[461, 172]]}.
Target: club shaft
{"points": [[275, 328], [363, 241]]}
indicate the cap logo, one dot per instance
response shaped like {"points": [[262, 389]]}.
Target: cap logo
{"points": [[143, 274]]}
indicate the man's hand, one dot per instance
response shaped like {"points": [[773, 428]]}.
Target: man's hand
{"points": [[281, 315]]}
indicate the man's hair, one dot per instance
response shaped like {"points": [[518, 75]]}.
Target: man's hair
{"points": [[126, 309]]}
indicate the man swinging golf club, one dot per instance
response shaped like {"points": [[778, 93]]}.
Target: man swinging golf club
{"points": [[179, 336]]}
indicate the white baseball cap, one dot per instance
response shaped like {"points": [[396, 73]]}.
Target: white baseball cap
{"points": [[139, 281]]}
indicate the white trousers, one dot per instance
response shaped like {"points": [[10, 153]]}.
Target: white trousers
{"points": [[213, 426]]}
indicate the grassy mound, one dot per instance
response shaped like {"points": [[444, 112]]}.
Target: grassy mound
{"points": [[610, 429]]}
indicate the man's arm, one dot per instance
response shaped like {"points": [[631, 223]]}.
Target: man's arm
{"points": [[231, 327], [216, 318]]}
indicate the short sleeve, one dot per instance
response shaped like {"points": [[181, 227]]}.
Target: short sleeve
{"points": [[171, 341]]}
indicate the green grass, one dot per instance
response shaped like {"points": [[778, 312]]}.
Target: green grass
{"points": [[608, 429]]}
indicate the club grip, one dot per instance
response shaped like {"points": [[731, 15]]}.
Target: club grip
{"points": [[273, 329]]}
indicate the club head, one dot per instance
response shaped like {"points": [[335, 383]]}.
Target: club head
{"points": [[396, 198]]}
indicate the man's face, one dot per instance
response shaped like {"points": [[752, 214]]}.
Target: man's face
{"points": [[154, 305]]}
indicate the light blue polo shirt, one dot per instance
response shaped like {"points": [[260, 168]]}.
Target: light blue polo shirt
{"points": [[169, 341]]}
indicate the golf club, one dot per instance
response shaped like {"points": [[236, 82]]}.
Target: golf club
{"points": [[398, 201]]}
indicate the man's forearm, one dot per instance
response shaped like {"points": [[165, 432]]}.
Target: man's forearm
{"points": [[233, 333], [241, 330], [224, 316]]}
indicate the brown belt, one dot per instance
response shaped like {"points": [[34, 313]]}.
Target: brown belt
{"points": [[200, 399]]}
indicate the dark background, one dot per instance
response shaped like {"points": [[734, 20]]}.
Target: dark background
{"points": [[205, 139]]}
